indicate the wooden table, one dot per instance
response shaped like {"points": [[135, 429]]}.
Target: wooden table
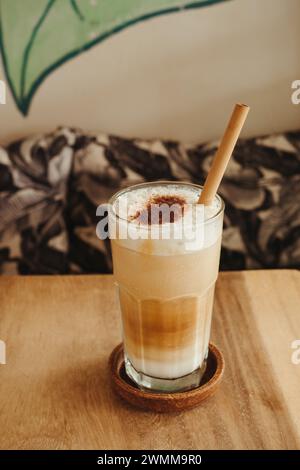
{"points": [[54, 389]]}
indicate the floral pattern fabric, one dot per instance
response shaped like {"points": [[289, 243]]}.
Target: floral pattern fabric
{"points": [[51, 185]]}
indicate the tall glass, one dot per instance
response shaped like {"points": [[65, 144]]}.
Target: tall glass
{"points": [[166, 292]]}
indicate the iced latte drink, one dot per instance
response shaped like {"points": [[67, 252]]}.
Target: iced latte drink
{"points": [[165, 267]]}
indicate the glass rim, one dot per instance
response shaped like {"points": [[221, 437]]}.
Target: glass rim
{"points": [[119, 193]]}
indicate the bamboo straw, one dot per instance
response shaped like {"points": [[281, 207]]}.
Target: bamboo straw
{"points": [[223, 154]]}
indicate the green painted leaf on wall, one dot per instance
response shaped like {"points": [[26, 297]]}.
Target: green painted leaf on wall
{"points": [[36, 36]]}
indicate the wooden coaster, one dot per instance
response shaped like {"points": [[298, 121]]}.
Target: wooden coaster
{"points": [[166, 402]]}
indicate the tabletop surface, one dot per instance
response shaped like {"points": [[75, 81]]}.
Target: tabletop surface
{"points": [[55, 391]]}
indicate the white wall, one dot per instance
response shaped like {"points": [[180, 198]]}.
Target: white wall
{"points": [[177, 76]]}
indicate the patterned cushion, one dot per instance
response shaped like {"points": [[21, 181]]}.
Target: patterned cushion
{"points": [[33, 187], [50, 187]]}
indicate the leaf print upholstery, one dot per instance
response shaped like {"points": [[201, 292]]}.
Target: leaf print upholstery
{"points": [[50, 186]]}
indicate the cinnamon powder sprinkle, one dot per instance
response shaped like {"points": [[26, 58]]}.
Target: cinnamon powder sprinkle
{"points": [[161, 209]]}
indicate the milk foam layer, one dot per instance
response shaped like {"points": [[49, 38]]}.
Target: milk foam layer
{"points": [[196, 229], [138, 198]]}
